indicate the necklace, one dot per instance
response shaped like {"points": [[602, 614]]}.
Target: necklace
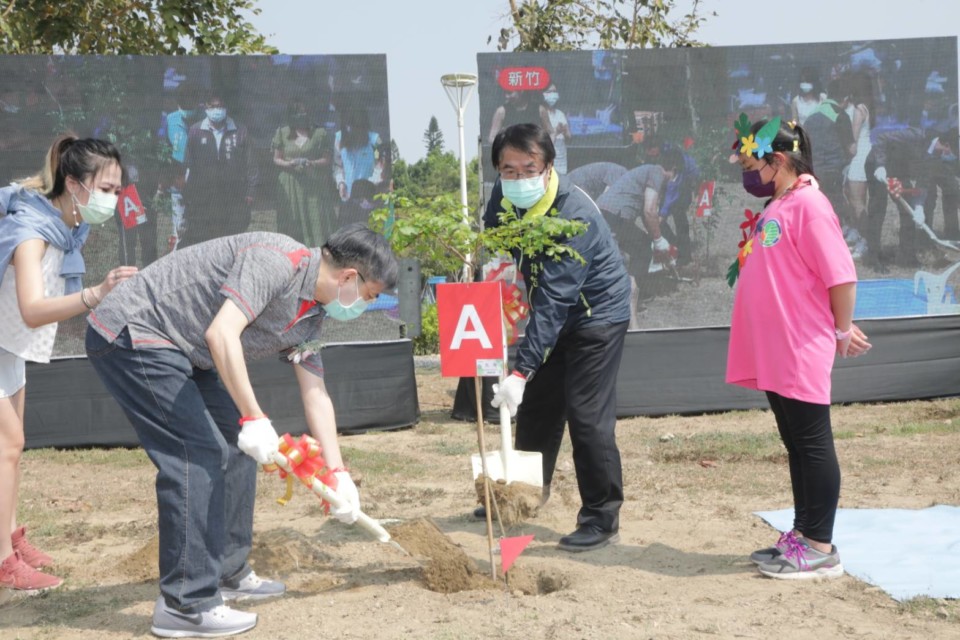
{"points": [[792, 186]]}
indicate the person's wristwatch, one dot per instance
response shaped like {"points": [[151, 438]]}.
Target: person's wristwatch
{"points": [[843, 335]]}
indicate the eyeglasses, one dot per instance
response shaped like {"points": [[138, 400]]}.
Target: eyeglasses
{"points": [[364, 281], [513, 174]]}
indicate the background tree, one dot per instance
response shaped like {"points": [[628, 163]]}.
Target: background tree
{"points": [[433, 137], [146, 27], [562, 25]]}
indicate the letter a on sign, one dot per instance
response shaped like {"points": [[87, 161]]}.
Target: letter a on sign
{"points": [[471, 329], [131, 208], [705, 200]]}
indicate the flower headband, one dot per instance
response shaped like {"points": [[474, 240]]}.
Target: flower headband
{"points": [[760, 143]]}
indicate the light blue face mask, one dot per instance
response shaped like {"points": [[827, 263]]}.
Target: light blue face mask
{"points": [[216, 115], [344, 312], [525, 192], [99, 208]]}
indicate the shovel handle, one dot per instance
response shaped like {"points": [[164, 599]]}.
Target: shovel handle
{"points": [[326, 493]]}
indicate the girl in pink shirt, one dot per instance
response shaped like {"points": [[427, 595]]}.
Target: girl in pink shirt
{"points": [[792, 312]]}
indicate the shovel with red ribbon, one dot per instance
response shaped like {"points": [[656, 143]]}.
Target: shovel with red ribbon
{"points": [[302, 458]]}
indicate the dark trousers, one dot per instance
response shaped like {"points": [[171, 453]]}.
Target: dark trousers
{"points": [[577, 385], [634, 241], [877, 212], [213, 218], [144, 235], [187, 424], [814, 471], [831, 185], [943, 176]]}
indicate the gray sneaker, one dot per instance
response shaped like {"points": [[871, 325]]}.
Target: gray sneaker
{"points": [[251, 587], [771, 553], [215, 623], [803, 562]]}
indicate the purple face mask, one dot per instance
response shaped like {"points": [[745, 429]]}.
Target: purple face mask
{"points": [[754, 185]]}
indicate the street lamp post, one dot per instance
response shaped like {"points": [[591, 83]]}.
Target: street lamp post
{"points": [[459, 87]]}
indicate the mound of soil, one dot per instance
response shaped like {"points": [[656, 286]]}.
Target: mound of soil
{"points": [[515, 502]]}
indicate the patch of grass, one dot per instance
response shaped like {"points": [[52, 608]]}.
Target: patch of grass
{"points": [[381, 464], [452, 448], [71, 605], [920, 606], [435, 423], [721, 447], [906, 429], [879, 463], [115, 457]]}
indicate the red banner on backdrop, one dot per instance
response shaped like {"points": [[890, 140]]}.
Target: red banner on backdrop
{"points": [[471, 329], [523, 79], [705, 200], [131, 208]]}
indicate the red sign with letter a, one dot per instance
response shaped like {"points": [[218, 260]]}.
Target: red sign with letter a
{"points": [[705, 200], [132, 212], [471, 329]]}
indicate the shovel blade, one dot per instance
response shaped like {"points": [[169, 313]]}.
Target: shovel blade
{"points": [[522, 466]]}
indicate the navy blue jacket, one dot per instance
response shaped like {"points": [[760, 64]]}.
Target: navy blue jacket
{"points": [[568, 295]]}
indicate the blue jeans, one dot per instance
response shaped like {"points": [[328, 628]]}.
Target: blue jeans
{"points": [[188, 425]]}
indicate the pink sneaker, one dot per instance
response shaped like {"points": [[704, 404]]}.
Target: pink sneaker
{"points": [[29, 553], [17, 574]]}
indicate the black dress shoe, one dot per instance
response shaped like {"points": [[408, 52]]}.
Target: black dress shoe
{"points": [[588, 537]]}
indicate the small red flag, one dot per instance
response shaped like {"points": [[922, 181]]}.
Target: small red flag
{"points": [[511, 548]]}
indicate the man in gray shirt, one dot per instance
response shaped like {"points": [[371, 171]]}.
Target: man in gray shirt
{"points": [[170, 345]]}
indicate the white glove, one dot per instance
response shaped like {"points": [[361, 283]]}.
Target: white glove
{"points": [[350, 511], [259, 440], [661, 244], [880, 173], [918, 216], [509, 392]]}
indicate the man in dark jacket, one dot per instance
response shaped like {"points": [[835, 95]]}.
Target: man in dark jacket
{"points": [[567, 362], [222, 178], [918, 159]]}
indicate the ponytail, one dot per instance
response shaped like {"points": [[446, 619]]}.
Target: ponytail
{"points": [[74, 157], [794, 143]]}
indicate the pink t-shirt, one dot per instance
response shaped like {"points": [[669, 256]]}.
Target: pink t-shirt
{"points": [[782, 329]]}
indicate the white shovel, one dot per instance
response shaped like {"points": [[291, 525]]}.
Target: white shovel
{"points": [[508, 464]]}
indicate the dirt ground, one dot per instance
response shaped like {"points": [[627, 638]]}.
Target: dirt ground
{"points": [[680, 570]]}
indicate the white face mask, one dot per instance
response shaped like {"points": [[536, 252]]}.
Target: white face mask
{"points": [[806, 87]]}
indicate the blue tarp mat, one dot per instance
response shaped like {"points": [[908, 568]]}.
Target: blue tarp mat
{"points": [[891, 299], [906, 552]]}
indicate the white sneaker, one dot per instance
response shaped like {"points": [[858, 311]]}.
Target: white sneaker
{"points": [[251, 587], [215, 623], [859, 249], [851, 235]]}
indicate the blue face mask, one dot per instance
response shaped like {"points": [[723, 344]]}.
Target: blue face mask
{"points": [[216, 115], [344, 312], [525, 192]]}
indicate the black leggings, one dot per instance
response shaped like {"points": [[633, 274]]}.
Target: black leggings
{"points": [[814, 471]]}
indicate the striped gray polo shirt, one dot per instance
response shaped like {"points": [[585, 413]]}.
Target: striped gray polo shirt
{"points": [[171, 303]]}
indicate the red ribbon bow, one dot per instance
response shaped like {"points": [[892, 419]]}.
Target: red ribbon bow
{"points": [[306, 463]]}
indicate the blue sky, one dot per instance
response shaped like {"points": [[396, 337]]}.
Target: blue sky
{"points": [[428, 38]]}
